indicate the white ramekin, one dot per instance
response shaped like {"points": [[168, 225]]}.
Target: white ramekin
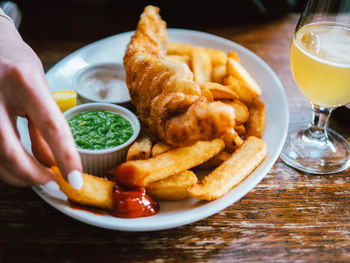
{"points": [[89, 72], [97, 161]]}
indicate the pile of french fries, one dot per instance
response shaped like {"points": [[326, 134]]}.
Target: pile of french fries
{"points": [[167, 172]]}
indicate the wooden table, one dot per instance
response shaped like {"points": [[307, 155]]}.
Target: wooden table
{"points": [[289, 216]]}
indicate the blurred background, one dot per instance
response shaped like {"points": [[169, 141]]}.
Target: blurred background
{"points": [[96, 19]]}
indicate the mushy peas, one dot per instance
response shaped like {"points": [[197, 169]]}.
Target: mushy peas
{"points": [[99, 130]]}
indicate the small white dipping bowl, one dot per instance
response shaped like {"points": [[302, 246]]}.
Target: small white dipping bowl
{"points": [[101, 83], [97, 161]]}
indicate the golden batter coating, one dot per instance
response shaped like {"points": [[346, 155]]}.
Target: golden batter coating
{"points": [[165, 94]]}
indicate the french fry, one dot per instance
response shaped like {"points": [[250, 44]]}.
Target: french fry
{"points": [[216, 160], [96, 192], [207, 94], [230, 173], [143, 172], [218, 73], [174, 48], [233, 55], [140, 149], [218, 57], [241, 110], [201, 65], [244, 93], [237, 70], [160, 147], [256, 122], [173, 187], [219, 91], [238, 140], [232, 140], [179, 59], [240, 129]]}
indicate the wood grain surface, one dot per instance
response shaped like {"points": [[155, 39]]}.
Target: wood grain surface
{"points": [[288, 217]]}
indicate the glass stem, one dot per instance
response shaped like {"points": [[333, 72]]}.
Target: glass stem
{"points": [[318, 128]]}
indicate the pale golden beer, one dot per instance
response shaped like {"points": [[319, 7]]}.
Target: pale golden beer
{"points": [[320, 62]]}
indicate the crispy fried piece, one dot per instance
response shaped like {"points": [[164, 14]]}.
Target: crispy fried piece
{"points": [[143, 172], [256, 122], [165, 94], [140, 149], [160, 147], [241, 110], [218, 57], [218, 73], [202, 120], [95, 192], [229, 174], [244, 93], [240, 129], [207, 94], [201, 65], [181, 49], [179, 59], [236, 69], [173, 187], [219, 91], [216, 160], [232, 140], [234, 55]]}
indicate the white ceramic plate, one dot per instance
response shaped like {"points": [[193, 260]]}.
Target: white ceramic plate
{"points": [[173, 214]]}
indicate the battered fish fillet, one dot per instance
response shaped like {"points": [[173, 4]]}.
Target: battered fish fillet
{"points": [[165, 94]]}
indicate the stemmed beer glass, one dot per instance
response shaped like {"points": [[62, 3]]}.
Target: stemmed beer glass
{"points": [[320, 63]]}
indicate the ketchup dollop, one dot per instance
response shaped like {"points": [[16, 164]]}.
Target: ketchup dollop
{"points": [[130, 201], [133, 202]]}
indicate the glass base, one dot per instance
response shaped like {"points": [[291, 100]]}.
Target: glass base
{"points": [[324, 155]]}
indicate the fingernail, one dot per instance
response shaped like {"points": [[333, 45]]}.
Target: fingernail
{"points": [[75, 179], [52, 186]]}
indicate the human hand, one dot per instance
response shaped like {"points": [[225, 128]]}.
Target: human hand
{"points": [[24, 92]]}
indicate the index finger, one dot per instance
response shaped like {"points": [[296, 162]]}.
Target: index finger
{"points": [[48, 119]]}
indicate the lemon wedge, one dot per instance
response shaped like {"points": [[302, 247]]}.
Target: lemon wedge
{"points": [[65, 99]]}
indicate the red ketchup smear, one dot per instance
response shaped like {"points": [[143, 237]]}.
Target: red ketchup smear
{"points": [[77, 206], [131, 202]]}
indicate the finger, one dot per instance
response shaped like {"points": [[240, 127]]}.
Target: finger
{"points": [[15, 160], [14, 124], [40, 148], [48, 119], [54, 129]]}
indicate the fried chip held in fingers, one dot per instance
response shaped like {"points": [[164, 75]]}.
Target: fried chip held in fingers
{"points": [[96, 191]]}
